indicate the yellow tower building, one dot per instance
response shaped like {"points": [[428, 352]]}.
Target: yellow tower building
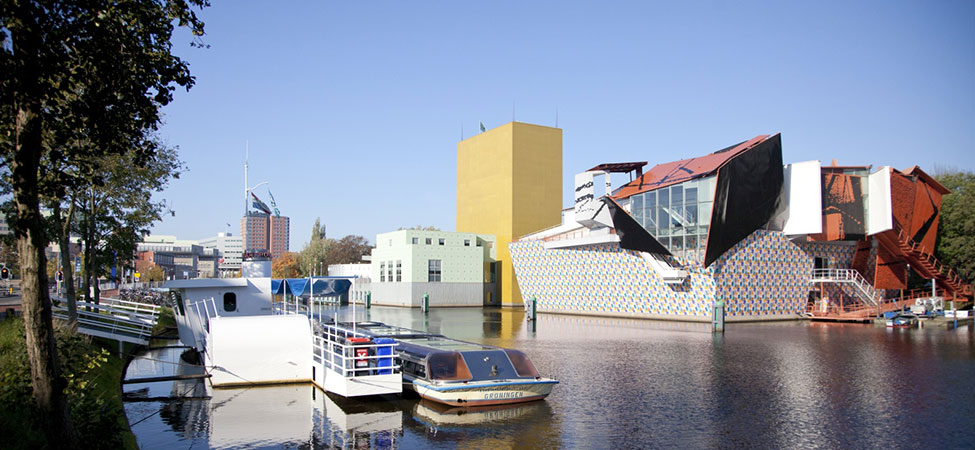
{"points": [[509, 184]]}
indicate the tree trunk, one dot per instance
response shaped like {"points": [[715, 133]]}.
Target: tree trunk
{"points": [[46, 380], [86, 260], [64, 243]]}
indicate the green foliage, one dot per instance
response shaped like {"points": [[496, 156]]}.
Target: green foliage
{"points": [[956, 230], [320, 252], [166, 320], [154, 273], [94, 400]]}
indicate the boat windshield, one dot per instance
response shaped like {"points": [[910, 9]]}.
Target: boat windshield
{"points": [[522, 364], [448, 366]]}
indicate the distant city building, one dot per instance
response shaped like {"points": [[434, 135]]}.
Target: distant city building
{"points": [[179, 259], [265, 233], [454, 269], [230, 248], [509, 184], [4, 228]]}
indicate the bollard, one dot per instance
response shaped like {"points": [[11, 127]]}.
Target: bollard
{"points": [[717, 317], [368, 300], [425, 306], [530, 309]]}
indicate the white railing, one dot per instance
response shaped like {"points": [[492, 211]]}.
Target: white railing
{"points": [[202, 320], [112, 320], [334, 352], [136, 307], [848, 276], [330, 346]]}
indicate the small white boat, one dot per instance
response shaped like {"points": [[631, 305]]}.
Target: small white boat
{"points": [[459, 373]]}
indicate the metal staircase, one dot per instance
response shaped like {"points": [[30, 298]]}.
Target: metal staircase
{"points": [[850, 277], [924, 263]]}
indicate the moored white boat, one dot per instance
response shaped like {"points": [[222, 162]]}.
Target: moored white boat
{"points": [[245, 339], [459, 373]]}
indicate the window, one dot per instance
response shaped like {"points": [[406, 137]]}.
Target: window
{"points": [[429, 241], [230, 301], [382, 272], [399, 270], [636, 208], [433, 270], [441, 241], [390, 273], [467, 242], [416, 240]]}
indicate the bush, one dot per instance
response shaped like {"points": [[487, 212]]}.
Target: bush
{"points": [[94, 398]]}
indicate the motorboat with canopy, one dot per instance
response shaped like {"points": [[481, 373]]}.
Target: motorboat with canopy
{"points": [[460, 373]]}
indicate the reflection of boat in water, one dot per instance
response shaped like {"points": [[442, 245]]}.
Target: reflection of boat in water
{"points": [[441, 415], [296, 415], [372, 422], [461, 373]]}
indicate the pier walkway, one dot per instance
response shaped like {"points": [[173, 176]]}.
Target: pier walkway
{"points": [[113, 319]]}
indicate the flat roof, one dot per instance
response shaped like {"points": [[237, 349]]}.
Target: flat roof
{"points": [[624, 167], [205, 283]]}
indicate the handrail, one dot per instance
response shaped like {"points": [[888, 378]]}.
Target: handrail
{"points": [[341, 356], [950, 276], [107, 319], [849, 276]]}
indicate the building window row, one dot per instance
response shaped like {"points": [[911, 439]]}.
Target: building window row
{"points": [[386, 271], [678, 216]]}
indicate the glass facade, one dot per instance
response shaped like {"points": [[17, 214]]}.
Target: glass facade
{"points": [[678, 215]]}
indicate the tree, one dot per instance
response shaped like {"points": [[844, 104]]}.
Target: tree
{"points": [[317, 230], [286, 266], [956, 229], [116, 214], [349, 250], [154, 273], [313, 259], [421, 228], [80, 79]]}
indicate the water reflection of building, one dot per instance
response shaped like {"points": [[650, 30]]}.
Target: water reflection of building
{"points": [[736, 226]]}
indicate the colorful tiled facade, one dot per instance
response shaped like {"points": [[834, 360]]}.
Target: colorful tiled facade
{"points": [[764, 277]]}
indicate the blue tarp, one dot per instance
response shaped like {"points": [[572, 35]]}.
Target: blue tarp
{"points": [[319, 285]]}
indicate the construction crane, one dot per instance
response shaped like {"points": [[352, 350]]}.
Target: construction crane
{"points": [[274, 205]]}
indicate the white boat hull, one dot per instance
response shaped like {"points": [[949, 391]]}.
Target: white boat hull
{"points": [[361, 385], [494, 392]]}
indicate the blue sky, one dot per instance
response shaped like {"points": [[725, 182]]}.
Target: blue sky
{"points": [[353, 110]]}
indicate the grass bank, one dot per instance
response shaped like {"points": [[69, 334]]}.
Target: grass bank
{"points": [[94, 376]]}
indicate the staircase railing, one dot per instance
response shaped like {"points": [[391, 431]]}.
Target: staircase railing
{"points": [[948, 274], [852, 277]]}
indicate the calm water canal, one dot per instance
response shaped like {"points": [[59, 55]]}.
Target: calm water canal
{"points": [[623, 384]]}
